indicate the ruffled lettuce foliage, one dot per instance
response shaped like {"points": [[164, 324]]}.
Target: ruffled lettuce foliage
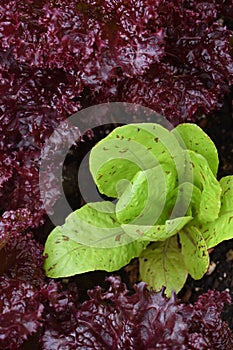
{"points": [[170, 207], [59, 56], [112, 319], [143, 320], [33, 309]]}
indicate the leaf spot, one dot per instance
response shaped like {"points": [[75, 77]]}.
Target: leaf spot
{"points": [[124, 150], [140, 232], [228, 189], [65, 238]]}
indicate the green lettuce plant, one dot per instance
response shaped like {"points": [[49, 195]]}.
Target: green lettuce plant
{"points": [[169, 209]]}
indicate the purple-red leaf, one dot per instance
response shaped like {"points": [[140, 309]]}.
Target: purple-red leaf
{"points": [[20, 312], [144, 320]]}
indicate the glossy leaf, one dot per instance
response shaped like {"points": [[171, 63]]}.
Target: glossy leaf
{"points": [[117, 318]]}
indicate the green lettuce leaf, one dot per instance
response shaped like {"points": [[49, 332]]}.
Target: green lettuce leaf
{"points": [[157, 232], [210, 188], [222, 228], [91, 239], [67, 257], [170, 210], [185, 200], [194, 250], [162, 264], [195, 139], [129, 149], [226, 184], [143, 201]]}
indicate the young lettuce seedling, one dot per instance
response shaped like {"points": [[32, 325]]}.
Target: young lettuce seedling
{"points": [[170, 208]]}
